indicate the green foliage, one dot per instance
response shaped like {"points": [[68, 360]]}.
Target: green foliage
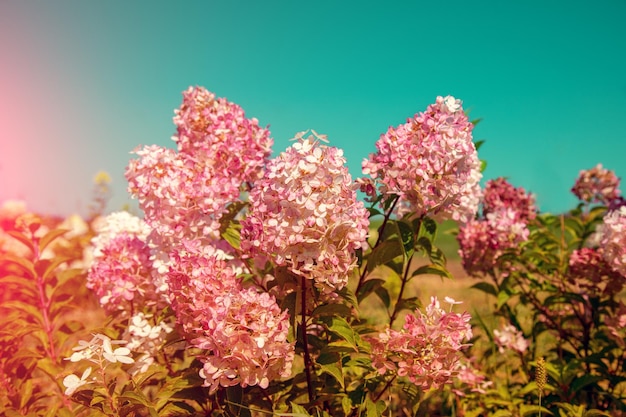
{"points": [[39, 298]]}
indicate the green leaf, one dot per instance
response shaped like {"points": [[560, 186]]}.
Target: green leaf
{"points": [[368, 287], [532, 410], [27, 286], [373, 409], [407, 237], [49, 237], [346, 404], [228, 217], [234, 394], [503, 297], [45, 267], [485, 287], [232, 234], [22, 238], [428, 229], [411, 304], [333, 370], [383, 253], [340, 327], [24, 264], [27, 309], [432, 269], [581, 382], [26, 393], [340, 310], [298, 411], [177, 408]]}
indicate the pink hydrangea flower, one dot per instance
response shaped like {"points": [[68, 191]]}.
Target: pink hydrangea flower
{"points": [[306, 215], [499, 194], [470, 378], [220, 153], [242, 331], [589, 270], [611, 237], [114, 224], [597, 185], [509, 338], [248, 343], [430, 162], [426, 350], [121, 276], [121, 272], [182, 196], [218, 131], [483, 241]]}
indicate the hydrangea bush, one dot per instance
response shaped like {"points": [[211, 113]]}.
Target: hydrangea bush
{"points": [[247, 286]]}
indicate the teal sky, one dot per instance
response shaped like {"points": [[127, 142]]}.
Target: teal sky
{"points": [[82, 83]]}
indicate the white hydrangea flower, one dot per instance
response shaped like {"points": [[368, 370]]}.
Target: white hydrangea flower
{"points": [[72, 382]]}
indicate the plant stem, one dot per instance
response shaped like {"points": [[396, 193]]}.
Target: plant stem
{"points": [[385, 388], [378, 240], [405, 278], [44, 304], [305, 342]]}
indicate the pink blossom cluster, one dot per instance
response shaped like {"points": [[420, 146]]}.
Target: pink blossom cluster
{"points": [[306, 215], [121, 274], [426, 350], [242, 331], [590, 271], [611, 237], [510, 338], [502, 226], [184, 193], [500, 195], [110, 226], [236, 147], [483, 241], [470, 378], [597, 185], [182, 196], [430, 162]]}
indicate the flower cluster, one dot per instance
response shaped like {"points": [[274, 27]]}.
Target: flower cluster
{"points": [[597, 185], [500, 195], [145, 338], [510, 338], [100, 351], [590, 271], [611, 237], [426, 351], [122, 274], [220, 152], [502, 226], [470, 379], [182, 196], [114, 224], [430, 162], [305, 213], [236, 147], [244, 332]]}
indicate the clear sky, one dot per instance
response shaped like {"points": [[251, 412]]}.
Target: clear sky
{"points": [[82, 83]]}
